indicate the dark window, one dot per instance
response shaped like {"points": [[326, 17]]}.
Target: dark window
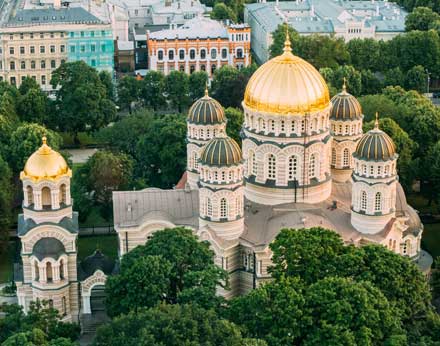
{"points": [[170, 55], [192, 68], [192, 54], [240, 53], [160, 55], [23, 65], [203, 54], [12, 65], [43, 64], [181, 54], [213, 54], [53, 64], [224, 53]]}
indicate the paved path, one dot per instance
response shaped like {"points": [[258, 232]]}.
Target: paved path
{"points": [[81, 155]]}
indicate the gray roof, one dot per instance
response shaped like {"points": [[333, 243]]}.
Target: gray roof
{"points": [[385, 16], [131, 208], [48, 247], [75, 15], [69, 224], [94, 262]]}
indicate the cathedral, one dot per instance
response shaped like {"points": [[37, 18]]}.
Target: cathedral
{"points": [[304, 162]]}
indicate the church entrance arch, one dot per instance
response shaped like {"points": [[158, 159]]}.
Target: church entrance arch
{"points": [[97, 299]]}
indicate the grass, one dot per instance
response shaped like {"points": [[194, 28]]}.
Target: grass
{"points": [[7, 263], [108, 244], [83, 137]]}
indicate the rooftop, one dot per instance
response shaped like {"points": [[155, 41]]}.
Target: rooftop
{"points": [[325, 16]]}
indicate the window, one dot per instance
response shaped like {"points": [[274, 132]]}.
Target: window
{"points": [[52, 35], [240, 53], [12, 66], [160, 55], [93, 62], [202, 67], [333, 157], [252, 165], [32, 49], [363, 201], [43, 64], [209, 206], [378, 202], [43, 80], [21, 36], [213, 68], [283, 127], [371, 170], [37, 271], [82, 48], [181, 54], [42, 49], [33, 64], [49, 278], [192, 68], [92, 48], [53, 64], [203, 54], [62, 48], [82, 33], [224, 53], [63, 61], [182, 68], [213, 53], [23, 65], [303, 126], [313, 163], [72, 49], [192, 54], [293, 168], [223, 208], [52, 49], [293, 126], [11, 36], [170, 55], [102, 47], [21, 50], [346, 158], [64, 306], [271, 166], [11, 50], [13, 81], [364, 169]]}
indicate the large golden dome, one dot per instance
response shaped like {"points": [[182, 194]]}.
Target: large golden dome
{"points": [[45, 163], [287, 84]]}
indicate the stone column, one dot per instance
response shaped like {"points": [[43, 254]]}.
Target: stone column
{"points": [[37, 201], [55, 197], [66, 270], [56, 272], [43, 277]]}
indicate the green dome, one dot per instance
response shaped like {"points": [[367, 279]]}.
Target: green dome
{"points": [[345, 107], [221, 151], [375, 145], [206, 111]]}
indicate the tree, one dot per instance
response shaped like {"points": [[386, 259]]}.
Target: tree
{"points": [[435, 278], [128, 91], [197, 84], [152, 90], [25, 140], [82, 99], [6, 203], [235, 121], [161, 151], [171, 325], [371, 84], [33, 105], [421, 18], [107, 81], [405, 146], [223, 12], [143, 284], [228, 86], [273, 312], [345, 312], [416, 79], [279, 37], [177, 90], [185, 267], [394, 77], [104, 173], [365, 54]]}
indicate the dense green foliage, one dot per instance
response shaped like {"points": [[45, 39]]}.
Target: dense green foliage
{"points": [[41, 323], [172, 325], [326, 293], [173, 267]]}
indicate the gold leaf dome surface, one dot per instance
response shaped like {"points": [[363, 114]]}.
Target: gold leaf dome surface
{"points": [[45, 163], [287, 84]]}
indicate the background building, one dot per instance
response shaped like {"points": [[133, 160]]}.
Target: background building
{"points": [[35, 42], [381, 20], [201, 44]]}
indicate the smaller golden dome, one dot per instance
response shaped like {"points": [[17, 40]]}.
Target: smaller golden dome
{"points": [[45, 163], [345, 107]]}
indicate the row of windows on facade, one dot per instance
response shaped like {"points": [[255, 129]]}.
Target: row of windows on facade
{"points": [[345, 130], [13, 79], [50, 273], [346, 157], [239, 37], [33, 65], [292, 165], [46, 196], [354, 31], [200, 133], [363, 205], [192, 68], [32, 35], [216, 176], [375, 171], [62, 49], [203, 54], [223, 207], [289, 127]]}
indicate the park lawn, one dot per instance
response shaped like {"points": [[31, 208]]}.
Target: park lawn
{"points": [[83, 137], [108, 244]]}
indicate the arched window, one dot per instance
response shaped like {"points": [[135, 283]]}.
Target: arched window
{"points": [[160, 55], [64, 306], [272, 125], [224, 53], [293, 126], [30, 195], [37, 271], [46, 198], [195, 160], [209, 206], [363, 201], [251, 163], [203, 54], [239, 53], [303, 126], [192, 54], [378, 202], [63, 194], [283, 127], [223, 208], [61, 269], [293, 167], [333, 157], [213, 53], [407, 247], [346, 157], [271, 166], [49, 274], [313, 166], [181, 54], [170, 54]]}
